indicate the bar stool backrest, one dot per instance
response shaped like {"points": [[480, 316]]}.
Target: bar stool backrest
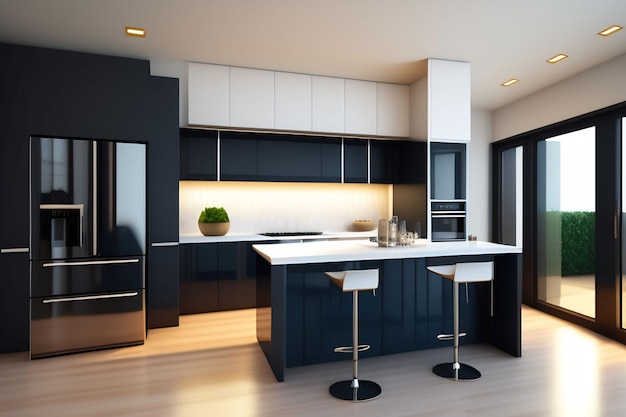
{"points": [[473, 272], [355, 280]]}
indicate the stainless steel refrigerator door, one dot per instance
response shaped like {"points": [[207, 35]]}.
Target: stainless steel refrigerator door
{"points": [[88, 198], [61, 325]]}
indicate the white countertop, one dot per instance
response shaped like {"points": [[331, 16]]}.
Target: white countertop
{"points": [[251, 237], [363, 250]]}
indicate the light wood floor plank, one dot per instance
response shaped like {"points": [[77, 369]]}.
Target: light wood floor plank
{"points": [[212, 366]]}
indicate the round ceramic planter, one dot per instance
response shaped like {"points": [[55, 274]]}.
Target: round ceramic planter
{"points": [[214, 229]]}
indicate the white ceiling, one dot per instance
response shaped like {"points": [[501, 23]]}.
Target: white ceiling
{"points": [[377, 40]]}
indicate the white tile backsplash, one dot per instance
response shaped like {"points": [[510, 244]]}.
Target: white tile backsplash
{"points": [[284, 207]]}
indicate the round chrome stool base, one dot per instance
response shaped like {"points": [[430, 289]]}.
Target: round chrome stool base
{"points": [[464, 373], [343, 390]]}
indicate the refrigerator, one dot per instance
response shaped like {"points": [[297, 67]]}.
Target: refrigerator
{"points": [[87, 245]]}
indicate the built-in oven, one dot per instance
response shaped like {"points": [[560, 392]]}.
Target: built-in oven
{"points": [[447, 221]]}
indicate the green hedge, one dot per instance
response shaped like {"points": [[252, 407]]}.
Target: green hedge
{"points": [[578, 249]]}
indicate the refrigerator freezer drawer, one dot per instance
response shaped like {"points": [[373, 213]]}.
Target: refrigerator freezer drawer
{"points": [[70, 324], [87, 276]]}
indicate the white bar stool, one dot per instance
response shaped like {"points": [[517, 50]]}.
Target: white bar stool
{"points": [[355, 389], [461, 273]]}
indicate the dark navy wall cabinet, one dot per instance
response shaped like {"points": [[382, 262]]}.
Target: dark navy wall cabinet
{"points": [[198, 154], [239, 157], [279, 157], [397, 162], [355, 162]]}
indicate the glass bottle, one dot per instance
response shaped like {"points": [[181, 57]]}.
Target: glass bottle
{"points": [[393, 231]]}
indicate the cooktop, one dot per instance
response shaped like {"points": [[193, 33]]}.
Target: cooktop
{"points": [[279, 234]]}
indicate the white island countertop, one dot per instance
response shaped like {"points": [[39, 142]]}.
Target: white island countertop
{"points": [[364, 250]]}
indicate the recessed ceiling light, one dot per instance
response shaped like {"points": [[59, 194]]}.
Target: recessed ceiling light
{"points": [[610, 30], [138, 32], [557, 58], [510, 82]]}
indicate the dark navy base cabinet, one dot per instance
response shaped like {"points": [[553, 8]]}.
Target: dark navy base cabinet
{"points": [[407, 313], [217, 277], [302, 316]]}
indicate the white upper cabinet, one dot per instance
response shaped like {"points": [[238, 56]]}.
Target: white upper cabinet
{"points": [[392, 110], [251, 98], [209, 95], [449, 101], [292, 101], [418, 125], [327, 104], [360, 108], [437, 107]]}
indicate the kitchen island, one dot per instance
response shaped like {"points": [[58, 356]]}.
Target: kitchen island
{"points": [[302, 316]]}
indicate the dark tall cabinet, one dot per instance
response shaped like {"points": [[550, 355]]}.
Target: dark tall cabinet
{"points": [[77, 95], [14, 195], [162, 286]]}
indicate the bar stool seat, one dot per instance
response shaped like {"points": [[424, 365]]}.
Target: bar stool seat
{"points": [[461, 273], [355, 281]]}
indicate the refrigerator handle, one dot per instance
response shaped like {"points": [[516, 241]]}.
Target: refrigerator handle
{"points": [[90, 297], [84, 263], [94, 204]]}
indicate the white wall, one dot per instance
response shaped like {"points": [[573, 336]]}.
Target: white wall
{"points": [[175, 69], [478, 176], [594, 89]]}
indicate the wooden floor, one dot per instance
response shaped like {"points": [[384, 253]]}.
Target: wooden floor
{"points": [[212, 366]]}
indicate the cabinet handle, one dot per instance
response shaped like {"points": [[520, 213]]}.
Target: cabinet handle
{"points": [[83, 263], [90, 297], [160, 244], [448, 216], [14, 250]]}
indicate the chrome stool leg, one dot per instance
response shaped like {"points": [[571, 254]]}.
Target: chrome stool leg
{"points": [[455, 369], [355, 389]]}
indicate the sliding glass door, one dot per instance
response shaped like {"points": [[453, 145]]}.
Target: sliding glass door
{"points": [[566, 221], [573, 226], [511, 202]]}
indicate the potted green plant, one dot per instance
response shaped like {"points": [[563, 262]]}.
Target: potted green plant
{"points": [[213, 221]]}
